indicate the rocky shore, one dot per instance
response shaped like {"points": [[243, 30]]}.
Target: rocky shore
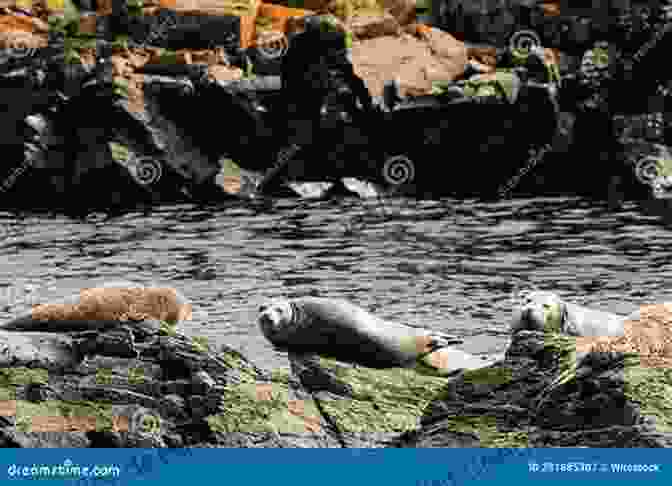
{"points": [[122, 105], [147, 385]]}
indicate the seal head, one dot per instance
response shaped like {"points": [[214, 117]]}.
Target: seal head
{"points": [[546, 311], [539, 311], [276, 318]]}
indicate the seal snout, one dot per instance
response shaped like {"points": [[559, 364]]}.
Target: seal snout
{"points": [[273, 317], [265, 320]]}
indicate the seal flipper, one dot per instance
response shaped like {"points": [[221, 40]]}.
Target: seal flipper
{"points": [[440, 340]]}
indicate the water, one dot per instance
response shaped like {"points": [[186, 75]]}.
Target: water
{"points": [[448, 265]]}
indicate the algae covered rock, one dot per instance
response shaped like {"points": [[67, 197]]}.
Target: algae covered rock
{"points": [[139, 385], [556, 390], [272, 413], [368, 407]]}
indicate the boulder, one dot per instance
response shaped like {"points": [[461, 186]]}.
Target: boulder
{"points": [[415, 62], [559, 391]]}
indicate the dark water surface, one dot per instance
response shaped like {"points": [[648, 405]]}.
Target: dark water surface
{"points": [[449, 265]]}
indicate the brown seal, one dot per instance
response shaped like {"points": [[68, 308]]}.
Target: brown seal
{"points": [[104, 307]]}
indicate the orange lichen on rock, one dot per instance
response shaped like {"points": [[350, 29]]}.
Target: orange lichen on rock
{"points": [[415, 61], [650, 336]]}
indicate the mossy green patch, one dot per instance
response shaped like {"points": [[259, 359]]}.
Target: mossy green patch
{"points": [[552, 317], [391, 400], [23, 376], [652, 389], [258, 408], [120, 152], [200, 344], [11, 378], [280, 376], [29, 414], [120, 87], [229, 167], [495, 376], [486, 429], [649, 386]]}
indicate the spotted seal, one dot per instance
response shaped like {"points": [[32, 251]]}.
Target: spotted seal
{"points": [[338, 329], [542, 310]]}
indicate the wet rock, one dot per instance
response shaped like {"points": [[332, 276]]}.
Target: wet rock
{"points": [[368, 408], [540, 397]]}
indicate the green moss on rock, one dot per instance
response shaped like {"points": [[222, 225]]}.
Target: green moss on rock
{"points": [[488, 376], [652, 389], [26, 411], [486, 429], [11, 378], [384, 400], [649, 386], [23, 376], [258, 408]]}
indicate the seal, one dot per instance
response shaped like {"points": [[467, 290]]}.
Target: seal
{"points": [[103, 307], [338, 329], [546, 311]]}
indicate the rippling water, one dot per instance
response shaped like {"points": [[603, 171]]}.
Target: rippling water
{"points": [[449, 265]]}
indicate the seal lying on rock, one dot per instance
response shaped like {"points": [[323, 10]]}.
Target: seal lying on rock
{"points": [[338, 329], [104, 307], [543, 310]]}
